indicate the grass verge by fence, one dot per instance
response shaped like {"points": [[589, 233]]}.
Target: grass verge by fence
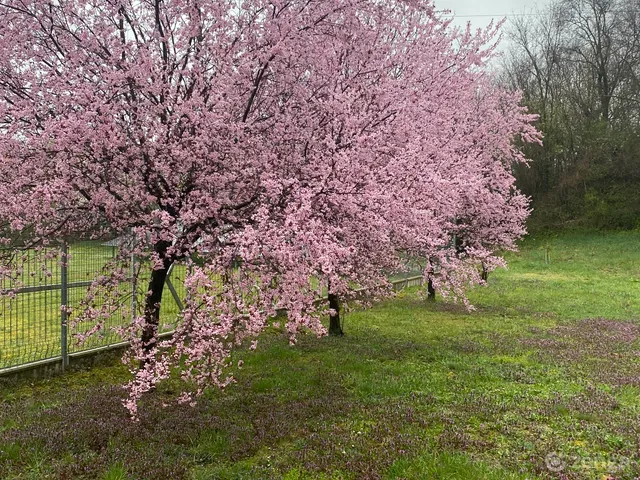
{"points": [[36, 333]]}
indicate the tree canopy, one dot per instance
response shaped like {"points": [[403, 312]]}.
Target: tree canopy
{"points": [[284, 143]]}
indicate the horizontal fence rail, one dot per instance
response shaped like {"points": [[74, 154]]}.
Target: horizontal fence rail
{"points": [[34, 327]]}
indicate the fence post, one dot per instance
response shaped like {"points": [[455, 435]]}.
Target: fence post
{"points": [[134, 299], [172, 289], [64, 300]]}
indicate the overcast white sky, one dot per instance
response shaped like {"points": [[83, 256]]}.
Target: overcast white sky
{"points": [[480, 12]]}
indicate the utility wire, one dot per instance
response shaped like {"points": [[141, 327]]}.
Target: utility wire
{"points": [[498, 15]]}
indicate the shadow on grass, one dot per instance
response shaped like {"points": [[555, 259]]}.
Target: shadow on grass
{"points": [[371, 405], [82, 436], [292, 410]]}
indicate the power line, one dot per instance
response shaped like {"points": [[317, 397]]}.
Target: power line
{"points": [[499, 15]]}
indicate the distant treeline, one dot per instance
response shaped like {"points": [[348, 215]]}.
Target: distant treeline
{"points": [[578, 64]]}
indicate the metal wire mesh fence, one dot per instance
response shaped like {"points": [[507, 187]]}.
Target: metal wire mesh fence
{"points": [[30, 328], [35, 327]]}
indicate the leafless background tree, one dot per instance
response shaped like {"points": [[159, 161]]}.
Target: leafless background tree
{"points": [[578, 64]]}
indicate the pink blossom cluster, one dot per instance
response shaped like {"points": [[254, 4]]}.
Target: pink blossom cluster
{"points": [[282, 143]]}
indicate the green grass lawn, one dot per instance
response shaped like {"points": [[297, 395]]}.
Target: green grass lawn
{"points": [[544, 373]]}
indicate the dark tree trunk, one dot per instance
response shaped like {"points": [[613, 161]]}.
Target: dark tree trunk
{"points": [[431, 291], [459, 244], [485, 273], [154, 298], [334, 319]]}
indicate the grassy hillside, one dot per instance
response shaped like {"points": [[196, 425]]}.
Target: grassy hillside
{"points": [[542, 380]]}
